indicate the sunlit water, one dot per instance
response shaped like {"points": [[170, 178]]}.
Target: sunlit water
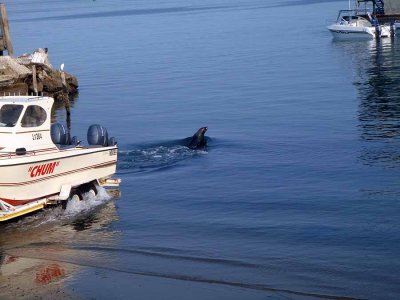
{"points": [[298, 192]]}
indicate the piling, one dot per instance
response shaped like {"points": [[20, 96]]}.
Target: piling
{"points": [[5, 38]]}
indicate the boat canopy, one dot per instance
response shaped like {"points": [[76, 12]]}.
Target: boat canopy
{"points": [[23, 113]]}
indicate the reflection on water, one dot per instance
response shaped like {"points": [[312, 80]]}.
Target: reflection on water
{"points": [[379, 87], [49, 246], [377, 79], [59, 111]]}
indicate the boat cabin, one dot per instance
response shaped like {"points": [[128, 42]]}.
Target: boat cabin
{"points": [[25, 123], [353, 17]]}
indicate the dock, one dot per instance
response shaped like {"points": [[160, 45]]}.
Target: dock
{"points": [[30, 73], [386, 11]]}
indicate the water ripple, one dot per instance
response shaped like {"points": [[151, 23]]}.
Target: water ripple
{"points": [[154, 158], [121, 13]]}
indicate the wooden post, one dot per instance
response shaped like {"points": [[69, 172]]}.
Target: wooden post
{"points": [[6, 30], [34, 80]]}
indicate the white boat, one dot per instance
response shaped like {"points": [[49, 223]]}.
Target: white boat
{"points": [[40, 164], [351, 25]]}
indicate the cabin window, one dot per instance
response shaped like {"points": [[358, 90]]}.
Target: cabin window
{"points": [[9, 114], [34, 116]]}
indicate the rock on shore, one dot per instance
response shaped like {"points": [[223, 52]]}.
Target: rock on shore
{"points": [[16, 76]]}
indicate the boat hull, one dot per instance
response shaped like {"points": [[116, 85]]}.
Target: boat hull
{"points": [[26, 179], [348, 32], [351, 32]]}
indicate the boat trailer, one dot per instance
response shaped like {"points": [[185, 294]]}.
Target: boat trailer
{"points": [[8, 211]]}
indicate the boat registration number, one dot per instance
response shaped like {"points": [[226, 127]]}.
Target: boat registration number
{"points": [[36, 136], [113, 152]]}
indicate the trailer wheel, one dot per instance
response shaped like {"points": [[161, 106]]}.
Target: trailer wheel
{"points": [[90, 189], [75, 196]]}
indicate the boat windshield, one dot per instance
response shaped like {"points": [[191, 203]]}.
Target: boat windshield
{"points": [[34, 116], [353, 15], [9, 114]]}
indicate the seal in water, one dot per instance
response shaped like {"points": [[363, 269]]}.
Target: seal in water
{"points": [[198, 140]]}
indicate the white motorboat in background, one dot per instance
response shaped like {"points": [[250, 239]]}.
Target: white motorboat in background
{"points": [[350, 24]]}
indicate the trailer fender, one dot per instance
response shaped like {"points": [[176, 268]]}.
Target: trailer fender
{"points": [[64, 193]]}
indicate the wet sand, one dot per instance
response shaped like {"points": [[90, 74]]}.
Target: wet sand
{"points": [[31, 278]]}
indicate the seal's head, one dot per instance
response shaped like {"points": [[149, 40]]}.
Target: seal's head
{"points": [[202, 131], [198, 140]]}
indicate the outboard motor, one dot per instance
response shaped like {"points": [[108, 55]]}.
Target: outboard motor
{"points": [[59, 134], [112, 141], [97, 135], [75, 141]]}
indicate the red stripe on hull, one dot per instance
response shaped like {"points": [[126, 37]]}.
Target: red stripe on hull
{"points": [[16, 202], [24, 201]]}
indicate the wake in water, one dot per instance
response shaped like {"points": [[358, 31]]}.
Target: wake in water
{"points": [[87, 204], [155, 157], [57, 215]]}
